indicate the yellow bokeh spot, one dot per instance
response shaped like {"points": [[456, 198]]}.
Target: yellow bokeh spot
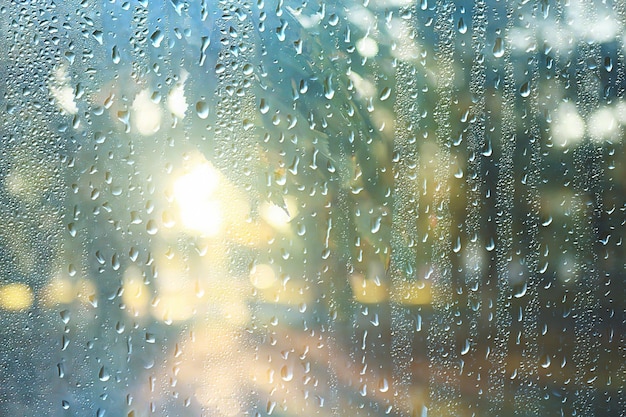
{"points": [[135, 294], [208, 203], [16, 296], [262, 276], [277, 216], [59, 291]]}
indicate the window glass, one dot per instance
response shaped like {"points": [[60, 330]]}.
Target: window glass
{"points": [[291, 208]]}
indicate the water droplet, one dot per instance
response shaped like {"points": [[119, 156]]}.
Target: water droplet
{"points": [[383, 385], [115, 55], [271, 405], [65, 341], [104, 375], [375, 226], [286, 373], [65, 404], [150, 338], [65, 316], [457, 245], [280, 31], [522, 291], [202, 109], [115, 262], [329, 92], [98, 35], [525, 89], [462, 26], [498, 48], [156, 38], [466, 347], [385, 93], [151, 227]]}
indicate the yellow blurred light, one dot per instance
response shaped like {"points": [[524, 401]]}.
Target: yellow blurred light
{"points": [[367, 290], [262, 276], [293, 292], [135, 294], [176, 101], [278, 217], [16, 296], [58, 291], [195, 194], [86, 291], [147, 114]]}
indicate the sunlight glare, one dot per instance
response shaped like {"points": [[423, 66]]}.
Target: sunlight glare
{"points": [[195, 194]]}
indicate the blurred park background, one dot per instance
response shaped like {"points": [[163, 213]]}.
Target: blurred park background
{"points": [[297, 208]]}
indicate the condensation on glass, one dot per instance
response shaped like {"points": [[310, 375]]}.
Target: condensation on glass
{"points": [[291, 208]]}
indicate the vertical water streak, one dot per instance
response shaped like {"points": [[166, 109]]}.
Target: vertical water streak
{"points": [[588, 162], [528, 397], [234, 152], [618, 342], [477, 295], [404, 231], [505, 191], [442, 345]]}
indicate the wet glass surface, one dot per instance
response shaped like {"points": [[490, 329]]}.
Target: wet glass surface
{"points": [[351, 208]]}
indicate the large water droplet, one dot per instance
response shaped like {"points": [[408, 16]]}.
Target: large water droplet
{"points": [[115, 55], [156, 38], [286, 373], [104, 375], [202, 109], [151, 227], [525, 89], [462, 26], [498, 48]]}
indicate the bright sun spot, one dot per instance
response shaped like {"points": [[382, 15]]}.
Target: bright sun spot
{"points": [[195, 194]]}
